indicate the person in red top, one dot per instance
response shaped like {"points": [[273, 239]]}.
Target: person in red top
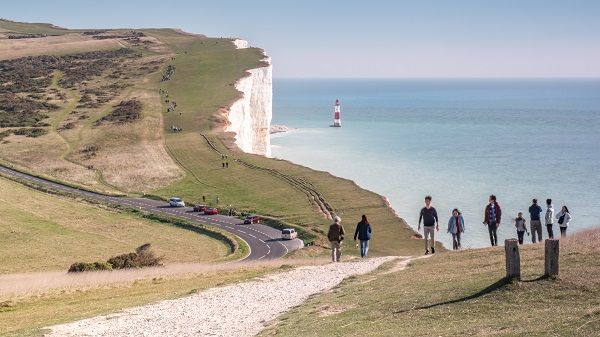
{"points": [[492, 218]]}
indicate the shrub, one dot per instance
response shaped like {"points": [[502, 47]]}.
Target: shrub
{"points": [[142, 257], [79, 267]]}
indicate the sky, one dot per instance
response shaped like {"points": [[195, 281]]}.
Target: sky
{"points": [[370, 38]]}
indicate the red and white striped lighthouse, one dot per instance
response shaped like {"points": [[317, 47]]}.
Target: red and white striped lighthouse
{"points": [[337, 121]]}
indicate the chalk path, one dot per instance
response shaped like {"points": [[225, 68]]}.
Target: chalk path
{"points": [[240, 309]]}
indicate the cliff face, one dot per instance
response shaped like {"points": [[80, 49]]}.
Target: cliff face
{"points": [[250, 116]]}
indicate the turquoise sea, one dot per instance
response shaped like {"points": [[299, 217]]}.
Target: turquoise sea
{"points": [[457, 140]]}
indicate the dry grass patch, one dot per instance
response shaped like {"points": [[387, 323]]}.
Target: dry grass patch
{"points": [[41, 232], [53, 45], [461, 294]]}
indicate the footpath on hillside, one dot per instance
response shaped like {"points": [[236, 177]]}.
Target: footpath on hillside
{"points": [[241, 309]]}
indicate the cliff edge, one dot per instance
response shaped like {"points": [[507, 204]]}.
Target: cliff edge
{"points": [[250, 116]]}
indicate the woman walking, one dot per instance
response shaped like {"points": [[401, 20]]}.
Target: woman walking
{"points": [[564, 217], [456, 226], [363, 232]]}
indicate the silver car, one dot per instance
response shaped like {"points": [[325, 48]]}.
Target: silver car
{"points": [[176, 202]]}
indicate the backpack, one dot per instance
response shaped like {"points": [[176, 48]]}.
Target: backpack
{"points": [[561, 220]]}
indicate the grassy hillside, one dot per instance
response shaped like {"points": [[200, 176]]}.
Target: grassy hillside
{"points": [[462, 294], [143, 155], [40, 232]]}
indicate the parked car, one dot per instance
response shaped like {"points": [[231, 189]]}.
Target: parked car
{"points": [[211, 211], [289, 234], [199, 208], [251, 219], [176, 202]]}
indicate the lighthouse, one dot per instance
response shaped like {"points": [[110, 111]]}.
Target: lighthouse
{"points": [[337, 121]]}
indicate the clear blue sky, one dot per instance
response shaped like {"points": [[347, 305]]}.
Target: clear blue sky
{"points": [[377, 38]]}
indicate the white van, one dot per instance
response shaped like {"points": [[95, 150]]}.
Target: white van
{"points": [[176, 202], [289, 234]]}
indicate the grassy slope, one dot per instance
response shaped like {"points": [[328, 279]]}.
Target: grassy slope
{"points": [[206, 72], [31, 28], [41, 232], [396, 304]]}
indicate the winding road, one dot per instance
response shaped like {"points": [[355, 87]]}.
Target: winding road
{"points": [[265, 242]]}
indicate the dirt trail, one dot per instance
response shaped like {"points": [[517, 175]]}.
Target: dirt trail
{"points": [[241, 309], [29, 284]]}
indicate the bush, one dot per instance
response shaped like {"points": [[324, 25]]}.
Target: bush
{"points": [[79, 267], [142, 257]]}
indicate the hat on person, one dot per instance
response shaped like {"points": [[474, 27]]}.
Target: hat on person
{"points": [[337, 219]]}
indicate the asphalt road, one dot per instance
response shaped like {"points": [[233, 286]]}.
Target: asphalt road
{"points": [[264, 242]]}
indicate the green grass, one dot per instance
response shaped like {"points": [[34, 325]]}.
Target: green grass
{"points": [[206, 71], [40, 232], [459, 294], [31, 28]]}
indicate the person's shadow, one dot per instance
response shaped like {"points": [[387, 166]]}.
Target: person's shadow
{"points": [[492, 287]]}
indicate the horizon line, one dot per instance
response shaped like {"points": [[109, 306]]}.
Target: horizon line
{"points": [[440, 78]]}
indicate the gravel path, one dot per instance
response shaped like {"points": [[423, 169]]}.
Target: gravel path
{"points": [[236, 310]]}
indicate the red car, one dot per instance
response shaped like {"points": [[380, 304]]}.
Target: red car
{"points": [[199, 208], [251, 220], [211, 211]]}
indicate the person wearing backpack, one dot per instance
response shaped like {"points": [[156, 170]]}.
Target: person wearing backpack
{"points": [[564, 217], [549, 218], [336, 236], [363, 232]]}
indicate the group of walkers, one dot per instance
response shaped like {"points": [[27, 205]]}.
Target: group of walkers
{"points": [[492, 218], [336, 236], [456, 226]]}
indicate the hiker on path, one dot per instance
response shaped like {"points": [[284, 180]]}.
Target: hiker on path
{"points": [[521, 225], [564, 217], [536, 225], [492, 218], [549, 218], [430, 224], [363, 232], [336, 236], [456, 226]]}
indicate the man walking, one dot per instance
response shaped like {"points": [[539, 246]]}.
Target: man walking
{"points": [[549, 218], [336, 236], [492, 218], [430, 224], [536, 225]]}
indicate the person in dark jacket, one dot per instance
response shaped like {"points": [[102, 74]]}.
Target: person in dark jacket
{"points": [[363, 232], [536, 224], [336, 236], [430, 224], [492, 218]]}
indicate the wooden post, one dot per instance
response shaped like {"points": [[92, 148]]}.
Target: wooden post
{"points": [[513, 259], [551, 264]]}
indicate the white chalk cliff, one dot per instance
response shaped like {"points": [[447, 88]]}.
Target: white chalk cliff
{"points": [[250, 116]]}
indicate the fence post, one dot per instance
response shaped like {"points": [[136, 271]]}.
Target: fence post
{"points": [[551, 257], [513, 259]]}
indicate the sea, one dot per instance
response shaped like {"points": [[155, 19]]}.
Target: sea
{"points": [[458, 140]]}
